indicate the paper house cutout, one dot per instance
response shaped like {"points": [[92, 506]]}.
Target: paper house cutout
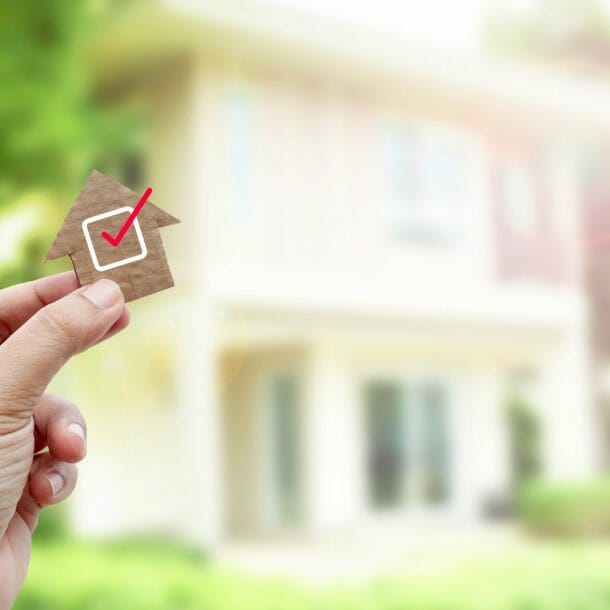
{"points": [[138, 263]]}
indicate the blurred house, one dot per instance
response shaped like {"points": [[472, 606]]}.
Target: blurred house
{"points": [[378, 247]]}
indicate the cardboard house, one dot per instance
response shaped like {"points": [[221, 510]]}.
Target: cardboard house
{"points": [[137, 262]]}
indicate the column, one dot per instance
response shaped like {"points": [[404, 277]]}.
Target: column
{"points": [[334, 462]]}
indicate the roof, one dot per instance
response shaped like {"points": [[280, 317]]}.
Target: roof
{"points": [[145, 36]]}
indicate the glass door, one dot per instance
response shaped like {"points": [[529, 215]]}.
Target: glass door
{"points": [[408, 442]]}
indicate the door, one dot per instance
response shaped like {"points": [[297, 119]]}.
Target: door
{"points": [[407, 443]]}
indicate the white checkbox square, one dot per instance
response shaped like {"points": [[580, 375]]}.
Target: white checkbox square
{"points": [[120, 263]]}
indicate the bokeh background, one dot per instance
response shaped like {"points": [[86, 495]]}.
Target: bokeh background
{"points": [[382, 380]]}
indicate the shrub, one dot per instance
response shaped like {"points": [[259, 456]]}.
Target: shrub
{"points": [[566, 509]]}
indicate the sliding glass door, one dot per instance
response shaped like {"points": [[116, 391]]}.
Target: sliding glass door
{"points": [[408, 442]]}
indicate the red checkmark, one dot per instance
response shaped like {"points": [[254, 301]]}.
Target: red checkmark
{"points": [[115, 241]]}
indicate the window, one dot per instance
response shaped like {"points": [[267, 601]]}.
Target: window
{"points": [[408, 443], [284, 429], [402, 165], [426, 182], [517, 198], [435, 443], [442, 172], [239, 156], [386, 423]]}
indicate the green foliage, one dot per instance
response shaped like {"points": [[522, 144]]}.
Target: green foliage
{"points": [[554, 29], [157, 576], [567, 509], [52, 525], [53, 129], [524, 434]]}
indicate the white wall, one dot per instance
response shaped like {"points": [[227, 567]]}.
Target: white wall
{"points": [[482, 461], [319, 181]]}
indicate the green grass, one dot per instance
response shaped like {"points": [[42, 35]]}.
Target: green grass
{"points": [[155, 576]]}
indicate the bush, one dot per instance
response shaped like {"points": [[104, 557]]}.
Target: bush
{"points": [[566, 509]]}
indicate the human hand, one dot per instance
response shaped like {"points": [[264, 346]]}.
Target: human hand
{"points": [[42, 324]]}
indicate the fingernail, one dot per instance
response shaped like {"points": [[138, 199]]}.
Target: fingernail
{"points": [[77, 429], [104, 293], [56, 481]]}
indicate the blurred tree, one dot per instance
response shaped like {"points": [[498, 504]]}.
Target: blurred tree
{"points": [[576, 32], [52, 129]]}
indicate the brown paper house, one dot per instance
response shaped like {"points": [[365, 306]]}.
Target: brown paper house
{"points": [[138, 262]]}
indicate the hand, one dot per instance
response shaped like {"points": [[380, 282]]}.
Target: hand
{"points": [[42, 324]]}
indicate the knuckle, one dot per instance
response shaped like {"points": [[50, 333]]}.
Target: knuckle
{"points": [[69, 472], [58, 325], [15, 405], [58, 405], [54, 412]]}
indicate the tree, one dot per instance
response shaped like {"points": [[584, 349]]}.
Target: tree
{"points": [[52, 129], [575, 31]]}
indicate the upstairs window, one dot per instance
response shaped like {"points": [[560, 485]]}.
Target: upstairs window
{"points": [[532, 203], [426, 179], [517, 198], [239, 155]]}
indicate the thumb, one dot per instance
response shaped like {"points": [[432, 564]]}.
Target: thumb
{"points": [[31, 357]]}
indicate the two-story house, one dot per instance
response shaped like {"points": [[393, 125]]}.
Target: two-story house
{"points": [[375, 245]]}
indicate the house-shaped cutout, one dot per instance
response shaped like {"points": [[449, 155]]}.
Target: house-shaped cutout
{"points": [[138, 262]]}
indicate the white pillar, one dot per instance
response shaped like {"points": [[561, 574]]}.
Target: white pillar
{"points": [[569, 439], [481, 451], [334, 461], [199, 401], [201, 434]]}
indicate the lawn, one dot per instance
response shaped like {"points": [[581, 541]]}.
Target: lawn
{"points": [[72, 575]]}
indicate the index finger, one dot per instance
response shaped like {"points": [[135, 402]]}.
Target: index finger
{"points": [[19, 303]]}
